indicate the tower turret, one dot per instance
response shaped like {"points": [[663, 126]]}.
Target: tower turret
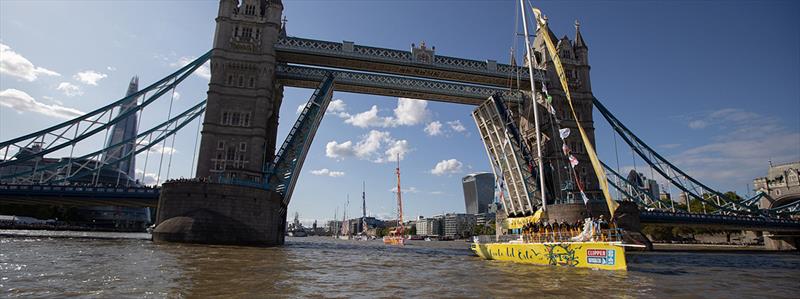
{"points": [[241, 119]]}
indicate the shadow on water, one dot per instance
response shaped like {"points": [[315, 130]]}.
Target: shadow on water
{"points": [[230, 271]]}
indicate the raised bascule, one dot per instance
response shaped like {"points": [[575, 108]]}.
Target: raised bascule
{"points": [[244, 181]]}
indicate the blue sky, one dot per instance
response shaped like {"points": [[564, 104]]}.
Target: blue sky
{"points": [[711, 85]]}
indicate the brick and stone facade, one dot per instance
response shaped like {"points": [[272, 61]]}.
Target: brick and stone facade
{"points": [[201, 212], [238, 138], [574, 55]]}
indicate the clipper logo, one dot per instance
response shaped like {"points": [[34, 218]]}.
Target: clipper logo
{"points": [[600, 256]]}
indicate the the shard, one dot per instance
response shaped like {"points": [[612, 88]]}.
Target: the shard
{"points": [[122, 131]]}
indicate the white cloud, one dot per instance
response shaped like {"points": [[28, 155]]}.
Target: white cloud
{"points": [[339, 151], [410, 112], [16, 65], [22, 102], [456, 126], [177, 95], [371, 143], [69, 89], [300, 108], [159, 148], [338, 108], [149, 178], [376, 146], [433, 128], [398, 147], [447, 167], [327, 172], [411, 189], [204, 71], [111, 68], [369, 118], [89, 77], [437, 192]]}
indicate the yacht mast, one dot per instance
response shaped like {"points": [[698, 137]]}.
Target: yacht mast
{"points": [[535, 106], [399, 201]]}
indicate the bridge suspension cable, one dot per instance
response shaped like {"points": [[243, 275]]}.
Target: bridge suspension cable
{"points": [[78, 167], [690, 186], [69, 133]]}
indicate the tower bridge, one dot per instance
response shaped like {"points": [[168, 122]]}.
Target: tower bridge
{"points": [[244, 185]]}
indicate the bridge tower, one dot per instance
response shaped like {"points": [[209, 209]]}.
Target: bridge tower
{"points": [[241, 120], [238, 138], [566, 199]]}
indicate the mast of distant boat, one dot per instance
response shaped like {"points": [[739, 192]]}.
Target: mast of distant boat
{"points": [[364, 207], [533, 102], [401, 229]]}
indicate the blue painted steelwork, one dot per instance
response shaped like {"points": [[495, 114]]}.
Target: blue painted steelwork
{"points": [[283, 171], [79, 195], [723, 221], [70, 133], [677, 177], [531, 177], [303, 76], [630, 190], [70, 168], [328, 52]]}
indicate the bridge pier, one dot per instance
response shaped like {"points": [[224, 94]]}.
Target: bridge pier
{"points": [[210, 213], [777, 242]]}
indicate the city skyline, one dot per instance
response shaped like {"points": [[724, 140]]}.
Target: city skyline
{"points": [[708, 102]]}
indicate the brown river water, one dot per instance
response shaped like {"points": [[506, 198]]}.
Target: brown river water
{"points": [[127, 266]]}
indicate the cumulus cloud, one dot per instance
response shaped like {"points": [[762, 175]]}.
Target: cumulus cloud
{"points": [[89, 77], [409, 112], [16, 65], [398, 148], [376, 146], [369, 118], [456, 126], [327, 172], [22, 102], [447, 167], [338, 108], [433, 128], [204, 71], [338, 150], [111, 68], [69, 89]]}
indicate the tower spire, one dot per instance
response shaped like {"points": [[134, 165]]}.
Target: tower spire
{"points": [[579, 43]]}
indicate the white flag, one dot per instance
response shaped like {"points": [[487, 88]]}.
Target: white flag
{"points": [[585, 199], [564, 133]]}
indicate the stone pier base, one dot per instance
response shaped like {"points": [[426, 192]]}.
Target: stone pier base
{"points": [[209, 213], [781, 243]]}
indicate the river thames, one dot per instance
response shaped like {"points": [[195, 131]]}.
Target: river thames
{"points": [[48, 267]]}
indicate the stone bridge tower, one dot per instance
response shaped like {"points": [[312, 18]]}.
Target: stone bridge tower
{"points": [[238, 138], [574, 56], [241, 119]]}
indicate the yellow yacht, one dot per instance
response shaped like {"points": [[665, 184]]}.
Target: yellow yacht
{"points": [[527, 186]]}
